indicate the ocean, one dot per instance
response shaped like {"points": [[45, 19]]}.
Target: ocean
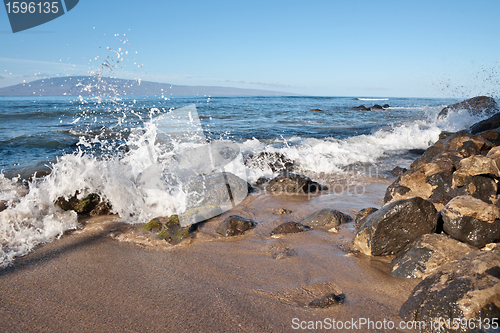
{"points": [[129, 149]]}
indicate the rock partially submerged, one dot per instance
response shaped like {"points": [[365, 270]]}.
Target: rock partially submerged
{"points": [[293, 183], [90, 204], [327, 301], [475, 106], [234, 225], [427, 253], [277, 162], [289, 228], [467, 289], [170, 229], [394, 226], [326, 217]]}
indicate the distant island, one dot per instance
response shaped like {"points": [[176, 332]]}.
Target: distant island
{"points": [[90, 85]]}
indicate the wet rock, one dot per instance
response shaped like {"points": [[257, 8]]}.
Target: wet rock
{"points": [[234, 225], [289, 228], [476, 106], [172, 231], [418, 162], [416, 151], [394, 226], [218, 189], [277, 162], [385, 106], [479, 187], [363, 215], [444, 134], [494, 154], [487, 124], [102, 208], [395, 191], [285, 253], [473, 166], [315, 109], [432, 152], [492, 136], [154, 225], [82, 206], [456, 141], [449, 162], [465, 289], [471, 220], [469, 148], [376, 107], [326, 217], [292, 183], [327, 301], [199, 214], [442, 190], [428, 253], [361, 108], [397, 171]]}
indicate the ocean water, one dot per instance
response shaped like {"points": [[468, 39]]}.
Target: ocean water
{"points": [[128, 149]]}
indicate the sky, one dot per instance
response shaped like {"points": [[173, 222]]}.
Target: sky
{"points": [[325, 48]]}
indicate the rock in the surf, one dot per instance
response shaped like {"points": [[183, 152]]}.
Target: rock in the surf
{"points": [[476, 106], [427, 253], [90, 204], [277, 162], [234, 225], [289, 228], [326, 217], [491, 123], [360, 108], [172, 231], [376, 107], [394, 226], [292, 183], [363, 215], [471, 220], [467, 289]]}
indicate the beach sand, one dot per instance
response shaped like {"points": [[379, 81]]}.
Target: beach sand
{"points": [[88, 281]]}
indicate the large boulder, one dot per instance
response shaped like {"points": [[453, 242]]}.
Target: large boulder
{"points": [[234, 225], [479, 187], [492, 122], [362, 215], [428, 253], [473, 166], [494, 154], [292, 183], [476, 106], [326, 217], [394, 226], [471, 220], [466, 290]]}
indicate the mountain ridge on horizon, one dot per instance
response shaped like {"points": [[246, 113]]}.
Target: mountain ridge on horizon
{"points": [[90, 85]]}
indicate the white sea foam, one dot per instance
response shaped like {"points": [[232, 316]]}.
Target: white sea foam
{"points": [[372, 99]]}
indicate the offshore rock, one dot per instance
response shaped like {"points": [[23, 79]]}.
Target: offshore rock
{"points": [[289, 228], [363, 215], [476, 106], [394, 226], [326, 217], [361, 108], [292, 183], [428, 253], [376, 107], [234, 225], [465, 289], [471, 220]]}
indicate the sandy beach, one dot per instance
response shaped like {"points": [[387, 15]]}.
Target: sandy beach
{"points": [[90, 282]]}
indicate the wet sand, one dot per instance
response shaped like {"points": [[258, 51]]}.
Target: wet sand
{"points": [[90, 282]]}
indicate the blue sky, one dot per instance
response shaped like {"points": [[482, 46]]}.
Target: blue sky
{"points": [[330, 48]]}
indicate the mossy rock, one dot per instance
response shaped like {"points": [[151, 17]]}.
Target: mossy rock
{"points": [[81, 206], [172, 231], [153, 225]]}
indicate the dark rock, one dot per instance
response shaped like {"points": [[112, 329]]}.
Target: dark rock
{"points": [[476, 106], [471, 220], [469, 148], [479, 187], [292, 183], [376, 107], [394, 226], [473, 166], [428, 253], [234, 225], [465, 289], [487, 124], [397, 171], [449, 162], [494, 154], [385, 106], [102, 208], [277, 162], [394, 191], [418, 162], [289, 228], [432, 152], [442, 191], [361, 108], [172, 231], [81, 206], [3, 205], [326, 217], [416, 151], [315, 109], [327, 301], [443, 135], [363, 215], [492, 136]]}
